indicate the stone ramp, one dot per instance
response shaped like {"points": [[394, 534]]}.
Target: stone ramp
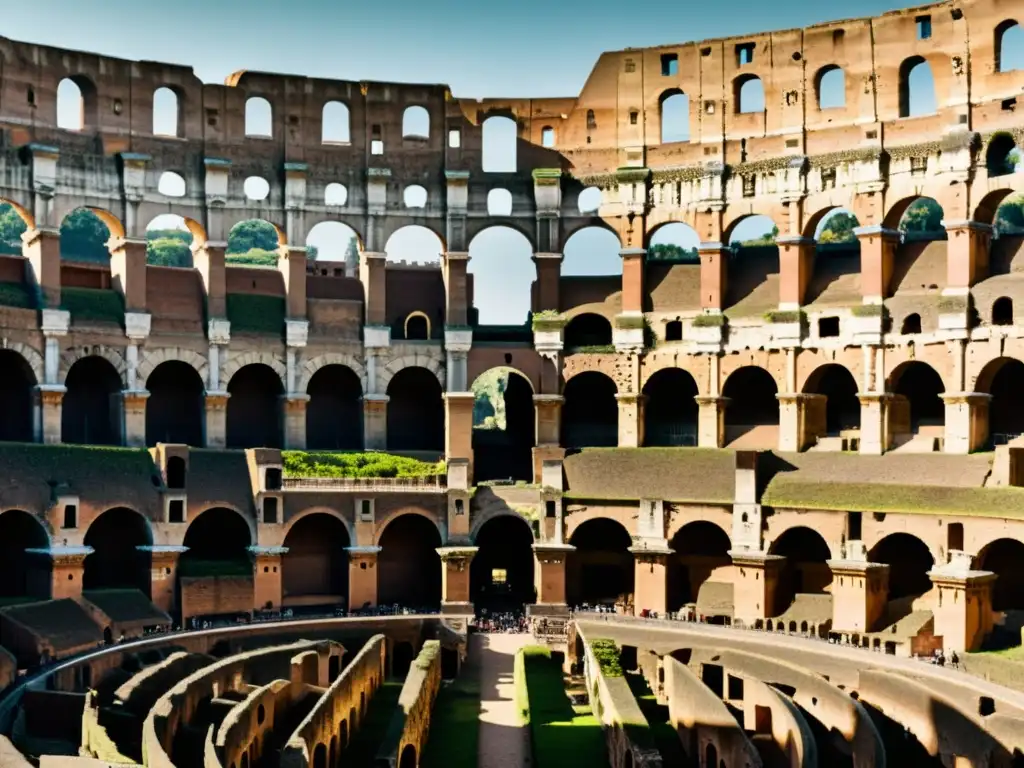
{"points": [[503, 739]]}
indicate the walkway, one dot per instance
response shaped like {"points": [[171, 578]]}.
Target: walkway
{"points": [[503, 741]]}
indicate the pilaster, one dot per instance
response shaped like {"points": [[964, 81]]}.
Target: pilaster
{"points": [[860, 593], [711, 420], [41, 249], [966, 421], [291, 262], [548, 410], [134, 408], [456, 294], [875, 436], [714, 273], [962, 607], [631, 419], [164, 575], [801, 420], [458, 426], [550, 561], [375, 422], [796, 265], [877, 254], [295, 420], [632, 279], [362, 577], [549, 272], [371, 274], [967, 252], [208, 259], [267, 590], [650, 569], [755, 585], [216, 419], [67, 567], [455, 582], [128, 271], [49, 409]]}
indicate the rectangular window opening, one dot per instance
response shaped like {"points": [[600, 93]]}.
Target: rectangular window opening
{"points": [[273, 479], [630, 65], [853, 524], [828, 327], [70, 516], [749, 185], [176, 511], [549, 508], [270, 510], [669, 65], [366, 510], [744, 54], [634, 116], [454, 138], [376, 147], [924, 27]]}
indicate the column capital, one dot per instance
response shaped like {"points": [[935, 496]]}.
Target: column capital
{"points": [[630, 398], [552, 399], [55, 322], [365, 551], [455, 256], [754, 559], [797, 397], [712, 400], [711, 248], [217, 400], [262, 551], [544, 256], [971, 398], [31, 236], [551, 552], [295, 402], [870, 398], [459, 396], [633, 253], [795, 240], [51, 393], [651, 552], [134, 397], [457, 553], [855, 567], [954, 225], [63, 555], [876, 230]]}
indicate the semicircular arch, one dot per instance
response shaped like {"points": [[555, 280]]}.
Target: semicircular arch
{"points": [[238, 362], [318, 510], [419, 360], [76, 354], [153, 358], [382, 526], [313, 365]]}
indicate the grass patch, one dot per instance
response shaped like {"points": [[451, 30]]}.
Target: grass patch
{"points": [[666, 740], [255, 313], [607, 654], [454, 739], [93, 304], [307, 464], [17, 295], [362, 750], [890, 497], [560, 733]]}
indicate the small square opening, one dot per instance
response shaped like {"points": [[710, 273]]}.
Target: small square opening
{"points": [[669, 64], [828, 327]]}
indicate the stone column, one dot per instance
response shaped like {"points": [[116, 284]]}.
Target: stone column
{"points": [[966, 421], [755, 584], [49, 409], [548, 410], [266, 588], [962, 607], [875, 437], [128, 271], [714, 273], [796, 266], [631, 419], [372, 275], [877, 253], [163, 571], [967, 253], [375, 422], [632, 279], [860, 593], [217, 419], [711, 420], [134, 407], [549, 574], [801, 420], [55, 324], [41, 249], [291, 262], [458, 426], [67, 570], [295, 421], [455, 582], [650, 585], [208, 259], [456, 293], [549, 270], [362, 577]]}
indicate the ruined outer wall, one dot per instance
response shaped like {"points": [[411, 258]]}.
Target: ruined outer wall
{"points": [[346, 695], [143, 689], [244, 730], [789, 729], [410, 724]]}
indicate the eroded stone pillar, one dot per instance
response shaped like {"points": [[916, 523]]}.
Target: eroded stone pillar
{"points": [[714, 271], [549, 270], [711, 420], [458, 426], [128, 271], [650, 585], [217, 419], [362, 577], [453, 270], [295, 421], [548, 410], [49, 410], [796, 265], [549, 573], [967, 253], [860, 593], [267, 589], [291, 263], [875, 437], [962, 607], [877, 254], [755, 585], [455, 581], [208, 259], [966, 421], [632, 279], [164, 575], [41, 249], [801, 420], [67, 570], [372, 275], [375, 422], [631, 419], [134, 408]]}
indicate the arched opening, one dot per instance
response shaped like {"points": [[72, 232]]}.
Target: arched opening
{"points": [[499, 202], [168, 242], [835, 274], [1009, 218], [591, 252], [675, 116], [909, 562], [335, 194], [415, 412], [587, 331], [23, 574], [752, 412], [314, 570], [601, 567], [674, 243], [416, 123], [504, 430], [166, 113], [1003, 379], [700, 549], [320, 757], [14, 222], [710, 754], [253, 242], [1002, 156], [331, 243], [1002, 311], [171, 184], [911, 324], [842, 407], [335, 127], [91, 412], [175, 410], [116, 561], [805, 570], [217, 544], [501, 262], [176, 472], [408, 758], [409, 568], [17, 388], [670, 410], [256, 188], [76, 103], [417, 327], [753, 262], [917, 407], [1009, 40], [917, 88], [414, 244], [501, 574], [922, 220], [1005, 558], [83, 237], [415, 196], [748, 94], [830, 87], [334, 414], [259, 117], [499, 145], [589, 200], [254, 408], [590, 412]]}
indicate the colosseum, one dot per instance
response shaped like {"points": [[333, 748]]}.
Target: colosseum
{"points": [[740, 488]]}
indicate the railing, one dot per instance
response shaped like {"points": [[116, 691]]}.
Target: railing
{"points": [[430, 484]]}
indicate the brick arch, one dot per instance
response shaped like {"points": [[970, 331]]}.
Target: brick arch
{"points": [[893, 376], [733, 363], [720, 517], [66, 205], [74, 354], [41, 520], [32, 356], [658, 365], [524, 227], [108, 507], [236, 362], [571, 372], [255, 213], [483, 518], [806, 378], [22, 211], [587, 223], [248, 517], [770, 213], [894, 213], [798, 524], [321, 510], [152, 358], [935, 543], [417, 360], [379, 528], [985, 210], [623, 516], [312, 220], [811, 225], [397, 222], [310, 367]]}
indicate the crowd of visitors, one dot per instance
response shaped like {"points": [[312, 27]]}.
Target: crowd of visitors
{"points": [[506, 622]]}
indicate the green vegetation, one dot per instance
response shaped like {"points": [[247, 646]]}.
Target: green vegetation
{"points": [[666, 739], [548, 320], [606, 652], [561, 734], [454, 739], [869, 310], [169, 247], [708, 321], [672, 254], [206, 569], [309, 464], [11, 227], [785, 316], [83, 237], [838, 229], [592, 349], [922, 220], [953, 304], [256, 313], [489, 399], [362, 750], [17, 295], [630, 322], [1010, 216], [94, 304]]}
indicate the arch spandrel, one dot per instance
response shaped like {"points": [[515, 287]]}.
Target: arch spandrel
{"points": [[310, 366], [437, 519], [430, 359]]}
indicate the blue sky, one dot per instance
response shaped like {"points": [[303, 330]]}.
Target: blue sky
{"points": [[524, 48]]}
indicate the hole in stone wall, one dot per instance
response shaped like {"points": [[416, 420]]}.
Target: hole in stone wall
{"points": [[259, 117], [335, 126], [256, 188]]}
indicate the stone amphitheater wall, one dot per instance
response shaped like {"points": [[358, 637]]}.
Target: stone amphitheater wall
{"points": [[410, 724], [789, 728], [244, 730]]}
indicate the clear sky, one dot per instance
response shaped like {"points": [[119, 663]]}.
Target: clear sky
{"points": [[490, 48]]}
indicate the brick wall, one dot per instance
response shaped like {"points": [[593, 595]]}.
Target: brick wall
{"points": [[214, 595]]}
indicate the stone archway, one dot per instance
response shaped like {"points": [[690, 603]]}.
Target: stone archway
{"points": [[415, 411], [214, 570], [1005, 558], [909, 561], [504, 426], [917, 408], [590, 413], [670, 410], [23, 573], [17, 385], [700, 548], [842, 408], [408, 566], [116, 561], [175, 411], [314, 570], [334, 414], [91, 412], [601, 569], [752, 413], [806, 570], [502, 571], [254, 408]]}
